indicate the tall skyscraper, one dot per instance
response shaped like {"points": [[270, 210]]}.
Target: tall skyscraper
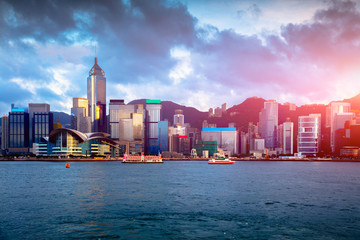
{"points": [[288, 137], [96, 94], [336, 108], [309, 135], [153, 116], [80, 119], [268, 122]]}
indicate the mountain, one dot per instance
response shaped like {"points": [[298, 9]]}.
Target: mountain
{"points": [[63, 118], [354, 101], [241, 114], [191, 115]]}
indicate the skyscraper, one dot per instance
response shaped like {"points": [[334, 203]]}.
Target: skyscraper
{"points": [[178, 118], [336, 108], [96, 94], [80, 119], [18, 131], [288, 137], [40, 122], [37, 108], [309, 135], [153, 116], [5, 133], [268, 122]]}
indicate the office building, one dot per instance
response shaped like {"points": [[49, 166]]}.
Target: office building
{"points": [[309, 135], [179, 118], [42, 125], [80, 119], [268, 123], [114, 117], [5, 134], [163, 136], [223, 108], [96, 95], [153, 116], [18, 131], [37, 108], [288, 137], [226, 138], [336, 108]]}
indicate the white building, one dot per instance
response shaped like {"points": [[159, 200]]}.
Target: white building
{"points": [[309, 134]]}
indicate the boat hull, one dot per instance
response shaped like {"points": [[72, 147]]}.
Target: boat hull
{"points": [[221, 162]]}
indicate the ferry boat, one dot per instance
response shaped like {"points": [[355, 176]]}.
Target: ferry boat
{"points": [[142, 159], [220, 160]]}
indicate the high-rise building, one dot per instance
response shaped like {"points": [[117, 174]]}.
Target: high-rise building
{"points": [[37, 108], [226, 138], [18, 131], [80, 119], [309, 135], [223, 108], [96, 94], [5, 133], [163, 136], [153, 116], [114, 117], [42, 125], [268, 122], [336, 108], [121, 115], [179, 118], [288, 138]]}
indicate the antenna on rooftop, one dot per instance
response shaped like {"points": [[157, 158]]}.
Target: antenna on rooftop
{"points": [[95, 55]]}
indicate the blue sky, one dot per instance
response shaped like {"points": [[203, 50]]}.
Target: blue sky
{"points": [[196, 53]]}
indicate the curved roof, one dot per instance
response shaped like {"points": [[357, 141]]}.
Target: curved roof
{"points": [[103, 139], [82, 136], [97, 134]]}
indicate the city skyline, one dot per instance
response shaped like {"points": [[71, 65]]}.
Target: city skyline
{"points": [[189, 52]]}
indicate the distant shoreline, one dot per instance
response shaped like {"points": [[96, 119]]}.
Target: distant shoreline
{"points": [[176, 159]]}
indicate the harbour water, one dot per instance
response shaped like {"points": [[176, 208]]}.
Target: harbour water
{"points": [[179, 200]]}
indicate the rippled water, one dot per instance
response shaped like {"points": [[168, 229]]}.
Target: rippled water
{"points": [[179, 200]]}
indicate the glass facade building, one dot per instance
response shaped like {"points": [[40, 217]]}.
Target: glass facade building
{"points": [[153, 116], [5, 133], [163, 136], [226, 138], [18, 130], [336, 108], [42, 125], [309, 135], [288, 138], [268, 122], [80, 119], [96, 95]]}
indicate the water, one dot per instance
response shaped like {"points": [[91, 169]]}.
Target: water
{"points": [[179, 200]]}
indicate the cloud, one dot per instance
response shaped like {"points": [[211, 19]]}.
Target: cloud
{"points": [[157, 49]]}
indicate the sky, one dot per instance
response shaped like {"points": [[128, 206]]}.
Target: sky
{"points": [[199, 53]]}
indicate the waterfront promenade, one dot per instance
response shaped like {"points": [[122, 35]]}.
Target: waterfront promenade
{"points": [[181, 159]]}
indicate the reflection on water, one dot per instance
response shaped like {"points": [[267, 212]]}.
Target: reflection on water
{"points": [[179, 200]]}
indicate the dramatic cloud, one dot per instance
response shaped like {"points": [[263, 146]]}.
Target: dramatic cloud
{"points": [[168, 50]]}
